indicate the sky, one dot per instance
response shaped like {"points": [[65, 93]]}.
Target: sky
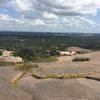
{"points": [[50, 15]]}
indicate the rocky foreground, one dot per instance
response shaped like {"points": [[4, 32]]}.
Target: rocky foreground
{"points": [[66, 89], [54, 89], [7, 92]]}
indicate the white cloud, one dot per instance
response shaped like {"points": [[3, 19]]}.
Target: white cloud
{"points": [[49, 15], [69, 7], [4, 19], [21, 5], [72, 22], [8, 20], [36, 22], [53, 13], [58, 7]]}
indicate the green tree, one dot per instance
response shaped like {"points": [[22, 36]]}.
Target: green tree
{"points": [[54, 52], [25, 53]]}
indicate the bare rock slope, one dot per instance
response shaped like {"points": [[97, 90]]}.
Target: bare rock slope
{"points": [[7, 92]]}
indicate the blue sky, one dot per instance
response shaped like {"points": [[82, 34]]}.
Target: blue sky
{"points": [[50, 15]]}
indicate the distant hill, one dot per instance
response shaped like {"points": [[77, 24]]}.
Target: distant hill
{"points": [[47, 33]]}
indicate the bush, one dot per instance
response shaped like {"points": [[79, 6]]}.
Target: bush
{"points": [[26, 53], [81, 52], [80, 59]]}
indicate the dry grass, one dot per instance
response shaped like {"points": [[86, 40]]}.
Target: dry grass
{"points": [[61, 76]]}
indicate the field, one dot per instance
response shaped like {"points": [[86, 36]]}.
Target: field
{"points": [[84, 85]]}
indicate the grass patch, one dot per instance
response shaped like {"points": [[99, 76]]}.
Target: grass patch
{"points": [[82, 52], [45, 59], [60, 76], [80, 59], [6, 64], [25, 67], [15, 80], [65, 76]]}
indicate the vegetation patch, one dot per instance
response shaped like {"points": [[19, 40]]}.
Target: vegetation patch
{"points": [[82, 52], [17, 78], [6, 64], [68, 76], [25, 67], [60, 76], [80, 59], [45, 59]]}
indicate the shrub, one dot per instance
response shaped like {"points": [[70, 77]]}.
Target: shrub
{"points": [[80, 59], [26, 53], [82, 52]]}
